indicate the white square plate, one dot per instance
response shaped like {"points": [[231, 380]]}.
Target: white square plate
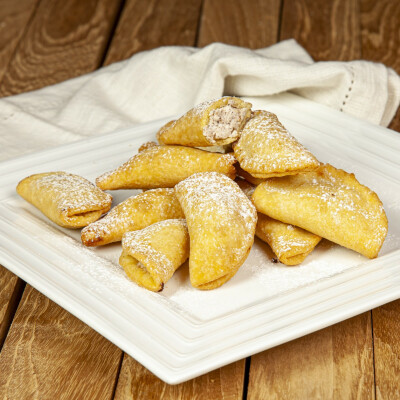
{"points": [[182, 332]]}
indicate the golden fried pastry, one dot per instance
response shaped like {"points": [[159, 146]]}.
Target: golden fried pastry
{"points": [[221, 222], [68, 200], [250, 178], [289, 243], [330, 203], [165, 166], [215, 122], [266, 149], [152, 255], [133, 214], [146, 146]]}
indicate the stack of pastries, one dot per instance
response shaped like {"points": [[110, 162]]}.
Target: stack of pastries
{"points": [[219, 176]]}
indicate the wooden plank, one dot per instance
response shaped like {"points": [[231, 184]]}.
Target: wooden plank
{"points": [[381, 43], [65, 39], [136, 382], [251, 23], [148, 24], [49, 354], [10, 294], [334, 363], [380, 37], [328, 29], [144, 25], [14, 18], [386, 324]]}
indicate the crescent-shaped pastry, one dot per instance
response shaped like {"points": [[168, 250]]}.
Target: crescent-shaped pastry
{"points": [[165, 166], [221, 222], [330, 203], [215, 122], [266, 149], [68, 200], [289, 243], [152, 255], [133, 214]]}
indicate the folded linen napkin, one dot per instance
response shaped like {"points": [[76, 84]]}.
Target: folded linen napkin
{"points": [[170, 80]]}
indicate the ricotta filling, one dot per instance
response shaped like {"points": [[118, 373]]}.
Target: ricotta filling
{"points": [[224, 123]]}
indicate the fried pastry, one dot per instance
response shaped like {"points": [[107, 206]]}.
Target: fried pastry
{"points": [[250, 178], [165, 166], [266, 149], [330, 203], [215, 122], [68, 200], [146, 145], [152, 255], [133, 214], [289, 243], [221, 222]]}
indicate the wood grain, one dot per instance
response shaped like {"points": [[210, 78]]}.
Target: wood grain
{"points": [[148, 24], [48, 354], [380, 31], [328, 29], [251, 23], [136, 382], [14, 19], [334, 363], [144, 25], [10, 294], [386, 322], [380, 36], [65, 39]]}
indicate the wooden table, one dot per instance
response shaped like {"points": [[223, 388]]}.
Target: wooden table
{"points": [[46, 353]]}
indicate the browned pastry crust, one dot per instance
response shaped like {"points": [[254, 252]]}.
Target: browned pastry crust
{"points": [[212, 123], [266, 149], [67, 199], [133, 214], [221, 222], [152, 255], [330, 203], [165, 166]]}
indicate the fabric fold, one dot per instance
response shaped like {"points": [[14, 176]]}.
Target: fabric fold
{"points": [[170, 80]]}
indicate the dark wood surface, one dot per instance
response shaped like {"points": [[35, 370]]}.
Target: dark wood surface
{"points": [[46, 353]]}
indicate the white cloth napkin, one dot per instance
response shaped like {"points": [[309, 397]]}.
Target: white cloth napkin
{"points": [[171, 80]]}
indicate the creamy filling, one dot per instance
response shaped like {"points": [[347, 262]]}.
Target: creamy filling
{"points": [[224, 123]]}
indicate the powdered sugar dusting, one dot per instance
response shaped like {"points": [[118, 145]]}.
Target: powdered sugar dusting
{"points": [[217, 197], [140, 242], [70, 192], [165, 166], [211, 192], [347, 202], [266, 146], [134, 213], [202, 107]]}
